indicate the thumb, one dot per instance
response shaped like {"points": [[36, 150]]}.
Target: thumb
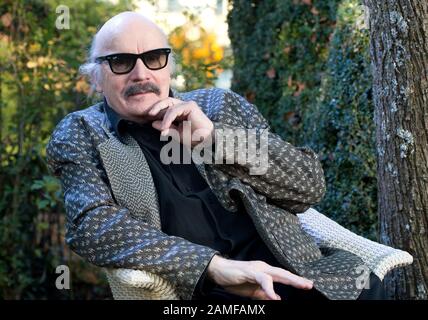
{"points": [[267, 285], [157, 124]]}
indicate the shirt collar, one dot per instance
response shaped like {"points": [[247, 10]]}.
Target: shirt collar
{"points": [[118, 122]]}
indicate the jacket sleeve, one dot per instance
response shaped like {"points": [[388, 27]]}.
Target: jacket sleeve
{"points": [[104, 233], [292, 177]]}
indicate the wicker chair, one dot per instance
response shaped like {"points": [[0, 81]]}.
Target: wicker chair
{"points": [[140, 285]]}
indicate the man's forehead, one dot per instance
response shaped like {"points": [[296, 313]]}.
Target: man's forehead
{"points": [[129, 33]]}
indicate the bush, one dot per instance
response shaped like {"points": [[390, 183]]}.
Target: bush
{"points": [[305, 65], [39, 85], [200, 59], [343, 128]]}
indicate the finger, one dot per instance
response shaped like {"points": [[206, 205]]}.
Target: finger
{"points": [[251, 290], [163, 104], [172, 114], [266, 283], [288, 278], [260, 294], [264, 296], [173, 127], [159, 110], [157, 124], [245, 290]]}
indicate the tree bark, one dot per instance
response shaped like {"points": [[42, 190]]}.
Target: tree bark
{"points": [[399, 54]]}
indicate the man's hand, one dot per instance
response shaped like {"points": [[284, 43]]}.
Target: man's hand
{"points": [[170, 113], [252, 279]]}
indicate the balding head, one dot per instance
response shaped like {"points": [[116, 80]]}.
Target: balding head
{"points": [[129, 32], [122, 24]]}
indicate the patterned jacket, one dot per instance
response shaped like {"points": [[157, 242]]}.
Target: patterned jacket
{"points": [[112, 208]]}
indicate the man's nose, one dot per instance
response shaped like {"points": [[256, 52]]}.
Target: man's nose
{"points": [[140, 71]]}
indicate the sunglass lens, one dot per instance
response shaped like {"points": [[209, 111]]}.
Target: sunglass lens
{"points": [[156, 59], [122, 63]]}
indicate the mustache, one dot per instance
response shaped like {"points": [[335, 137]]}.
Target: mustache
{"points": [[142, 88]]}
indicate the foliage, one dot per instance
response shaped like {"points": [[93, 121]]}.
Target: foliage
{"points": [[39, 84], [199, 57], [304, 63], [280, 48], [344, 131]]}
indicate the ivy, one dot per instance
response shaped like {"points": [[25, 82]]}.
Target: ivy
{"points": [[305, 64]]}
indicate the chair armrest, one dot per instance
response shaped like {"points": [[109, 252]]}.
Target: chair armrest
{"points": [[327, 233], [129, 284]]}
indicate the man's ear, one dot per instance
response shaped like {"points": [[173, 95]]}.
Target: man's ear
{"points": [[98, 87], [97, 83], [96, 80]]}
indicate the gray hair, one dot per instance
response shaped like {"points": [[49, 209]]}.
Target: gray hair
{"points": [[90, 68]]}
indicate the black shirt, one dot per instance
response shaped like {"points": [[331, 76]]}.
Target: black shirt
{"points": [[189, 208]]}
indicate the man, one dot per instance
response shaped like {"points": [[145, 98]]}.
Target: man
{"points": [[212, 230]]}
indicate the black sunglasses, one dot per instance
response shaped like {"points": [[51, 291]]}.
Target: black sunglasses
{"points": [[121, 63]]}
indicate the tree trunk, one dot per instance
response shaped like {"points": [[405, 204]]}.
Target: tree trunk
{"points": [[399, 54]]}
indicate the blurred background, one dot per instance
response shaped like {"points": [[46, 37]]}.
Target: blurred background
{"points": [[304, 63]]}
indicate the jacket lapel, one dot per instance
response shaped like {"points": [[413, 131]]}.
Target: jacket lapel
{"points": [[130, 177]]}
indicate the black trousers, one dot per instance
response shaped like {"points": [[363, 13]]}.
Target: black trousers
{"points": [[375, 292]]}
